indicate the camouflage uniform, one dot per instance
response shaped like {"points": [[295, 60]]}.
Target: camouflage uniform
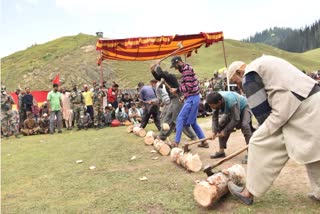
{"points": [[77, 106], [217, 84], [9, 117], [97, 106]]}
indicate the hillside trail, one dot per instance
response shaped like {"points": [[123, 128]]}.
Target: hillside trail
{"points": [[292, 180]]}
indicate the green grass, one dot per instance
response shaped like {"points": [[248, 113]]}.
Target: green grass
{"points": [[40, 175], [36, 66]]}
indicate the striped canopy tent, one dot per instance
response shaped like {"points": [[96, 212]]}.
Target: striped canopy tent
{"points": [[152, 48]]}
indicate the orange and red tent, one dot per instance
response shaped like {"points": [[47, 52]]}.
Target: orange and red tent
{"points": [[151, 48]]}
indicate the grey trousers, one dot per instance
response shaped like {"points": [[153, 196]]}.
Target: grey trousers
{"points": [[244, 124], [170, 115], [52, 120]]}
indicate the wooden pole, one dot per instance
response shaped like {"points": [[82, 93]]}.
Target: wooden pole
{"points": [[225, 63]]}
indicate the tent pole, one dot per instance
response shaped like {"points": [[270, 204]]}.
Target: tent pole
{"points": [[225, 63], [101, 70]]}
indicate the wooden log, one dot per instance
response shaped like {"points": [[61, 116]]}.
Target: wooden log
{"points": [[130, 129], [149, 138], [165, 126], [187, 160], [139, 131], [209, 191], [161, 147]]}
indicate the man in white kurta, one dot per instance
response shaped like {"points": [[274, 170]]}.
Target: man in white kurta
{"points": [[286, 103]]}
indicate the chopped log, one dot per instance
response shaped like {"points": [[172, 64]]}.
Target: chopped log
{"points": [[209, 191], [130, 129], [161, 147], [187, 160], [165, 126], [139, 131], [149, 138]]}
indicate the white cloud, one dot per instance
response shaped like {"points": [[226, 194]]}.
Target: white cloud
{"points": [[18, 7]]}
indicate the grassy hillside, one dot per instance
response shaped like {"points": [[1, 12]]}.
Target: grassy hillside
{"points": [[75, 58]]}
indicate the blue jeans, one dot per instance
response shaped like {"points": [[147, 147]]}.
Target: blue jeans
{"points": [[188, 117]]}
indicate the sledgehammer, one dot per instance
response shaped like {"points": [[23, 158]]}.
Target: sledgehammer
{"points": [[208, 168]]}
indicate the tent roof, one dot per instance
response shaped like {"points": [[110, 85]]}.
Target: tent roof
{"points": [[151, 48]]}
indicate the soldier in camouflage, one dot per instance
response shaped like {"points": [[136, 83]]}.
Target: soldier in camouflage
{"points": [[217, 84], [9, 122], [98, 95], [77, 106]]}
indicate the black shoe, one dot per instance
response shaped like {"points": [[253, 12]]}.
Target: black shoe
{"points": [[204, 145], [236, 190], [245, 159], [59, 131], [51, 132], [218, 155]]}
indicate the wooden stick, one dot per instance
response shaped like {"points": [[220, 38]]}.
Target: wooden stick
{"points": [[229, 157]]}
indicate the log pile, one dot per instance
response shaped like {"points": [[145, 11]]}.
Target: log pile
{"points": [[161, 147], [187, 160], [214, 187]]}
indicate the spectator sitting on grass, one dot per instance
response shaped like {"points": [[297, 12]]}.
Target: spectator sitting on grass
{"points": [[120, 113]]}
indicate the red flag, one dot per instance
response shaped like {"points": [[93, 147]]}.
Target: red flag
{"points": [[56, 80]]}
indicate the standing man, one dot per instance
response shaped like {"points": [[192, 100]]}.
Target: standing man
{"points": [[77, 105], [66, 111], [8, 122], [98, 95], [288, 114], [27, 101], [173, 106], [55, 106], [190, 89], [151, 103], [235, 114], [88, 100], [20, 107]]}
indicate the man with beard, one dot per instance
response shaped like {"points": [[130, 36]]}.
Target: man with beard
{"points": [[55, 106], [77, 105], [66, 111]]}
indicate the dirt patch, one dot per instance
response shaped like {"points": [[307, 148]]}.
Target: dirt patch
{"points": [[293, 178]]}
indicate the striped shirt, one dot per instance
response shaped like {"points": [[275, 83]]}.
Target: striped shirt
{"points": [[190, 84]]}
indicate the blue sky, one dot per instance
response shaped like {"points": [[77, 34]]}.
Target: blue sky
{"points": [[26, 22]]}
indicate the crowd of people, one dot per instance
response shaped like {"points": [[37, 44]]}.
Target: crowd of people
{"points": [[264, 89]]}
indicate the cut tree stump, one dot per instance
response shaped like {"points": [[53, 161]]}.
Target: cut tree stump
{"points": [[187, 160], [149, 138], [161, 147], [139, 131], [165, 126], [209, 191]]}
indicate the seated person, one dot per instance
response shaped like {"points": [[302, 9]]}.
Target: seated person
{"points": [[44, 124], [85, 121], [120, 112], [30, 126], [126, 100], [202, 110], [134, 114], [107, 116]]}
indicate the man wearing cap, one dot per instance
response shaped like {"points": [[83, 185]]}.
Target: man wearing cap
{"points": [[151, 104], [173, 105], [288, 114], [190, 89], [44, 124]]}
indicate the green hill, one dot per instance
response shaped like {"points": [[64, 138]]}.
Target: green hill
{"points": [[75, 58]]}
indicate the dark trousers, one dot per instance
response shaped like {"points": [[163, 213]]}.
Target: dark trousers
{"points": [[245, 125], [90, 111], [151, 109]]}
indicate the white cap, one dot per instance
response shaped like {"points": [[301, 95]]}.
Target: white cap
{"points": [[236, 65]]}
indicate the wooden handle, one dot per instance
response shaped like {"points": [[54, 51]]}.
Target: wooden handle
{"points": [[198, 141], [230, 157]]}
